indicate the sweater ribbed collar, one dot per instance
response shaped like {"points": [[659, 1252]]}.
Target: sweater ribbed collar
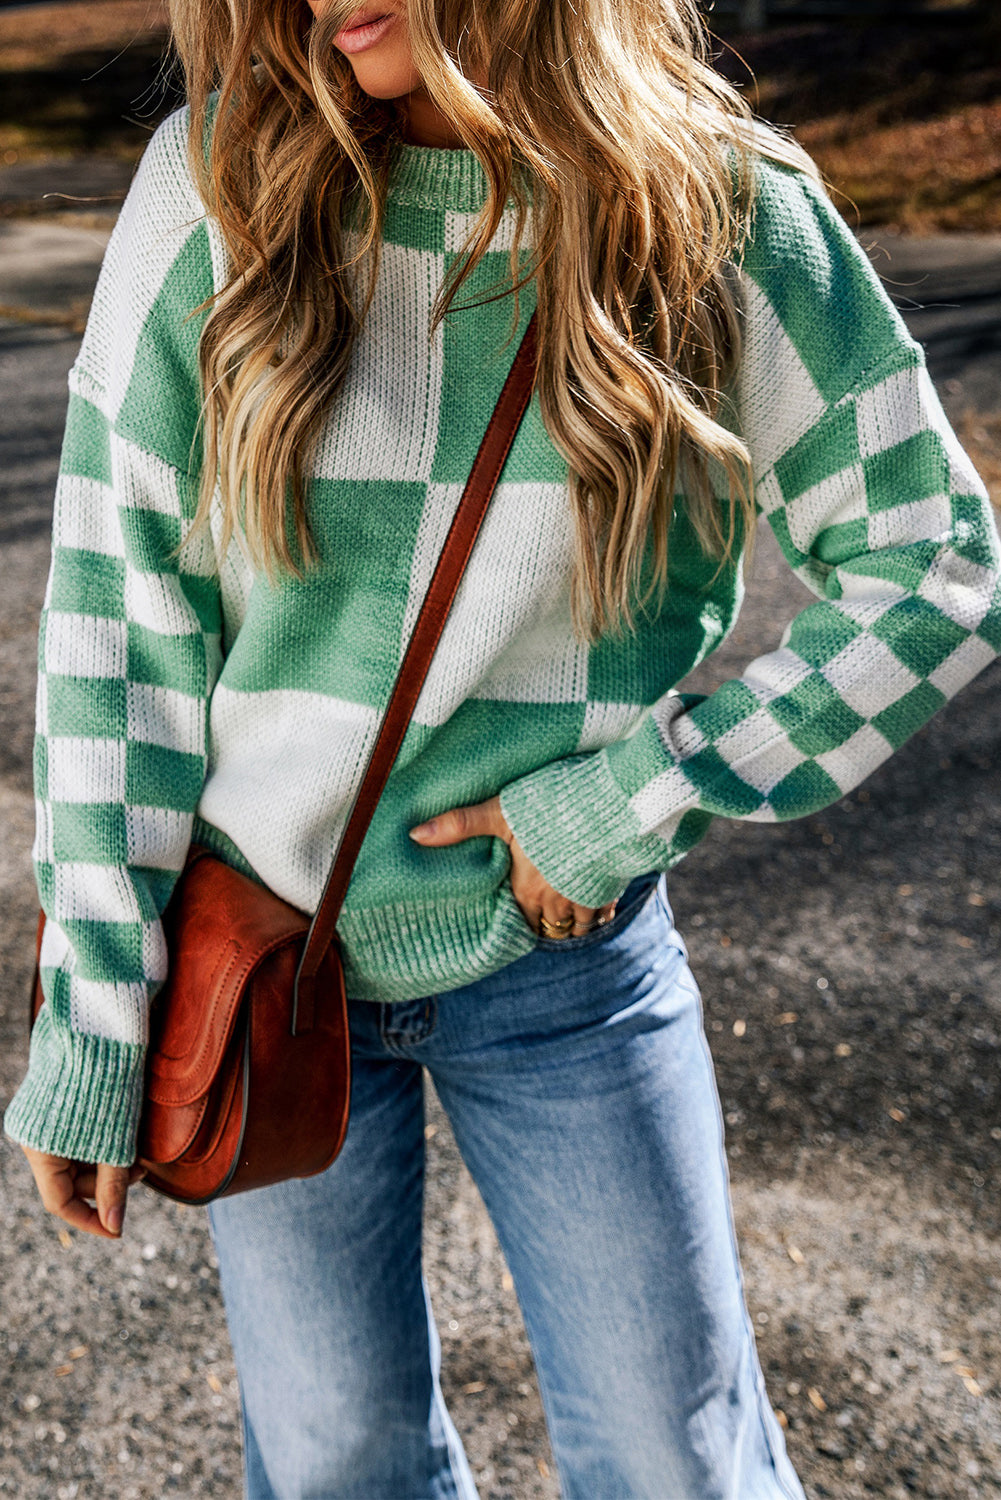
{"points": [[437, 177]]}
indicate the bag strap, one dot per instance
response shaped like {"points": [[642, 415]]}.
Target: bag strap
{"points": [[465, 527]]}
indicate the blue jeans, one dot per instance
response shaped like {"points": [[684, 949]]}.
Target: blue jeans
{"points": [[581, 1093]]}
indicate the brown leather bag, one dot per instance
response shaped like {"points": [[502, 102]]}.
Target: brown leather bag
{"points": [[248, 1070]]}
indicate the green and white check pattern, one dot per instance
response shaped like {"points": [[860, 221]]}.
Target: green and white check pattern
{"points": [[184, 696]]}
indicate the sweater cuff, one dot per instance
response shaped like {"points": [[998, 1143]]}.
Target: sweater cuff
{"points": [[81, 1097], [574, 822]]}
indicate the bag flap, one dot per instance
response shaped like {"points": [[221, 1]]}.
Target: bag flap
{"points": [[220, 927]]}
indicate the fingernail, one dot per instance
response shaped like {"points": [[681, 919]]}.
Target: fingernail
{"points": [[425, 830], [114, 1219]]}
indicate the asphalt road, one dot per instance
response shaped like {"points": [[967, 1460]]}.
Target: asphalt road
{"points": [[853, 1001], [949, 289]]}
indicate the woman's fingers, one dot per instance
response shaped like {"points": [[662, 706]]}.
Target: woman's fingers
{"points": [[55, 1178], [543, 908], [64, 1186], [460, 823], [86, 1179], [568, 919], [556, 916], [110, 1194], [81, 1216], [586, 917]]}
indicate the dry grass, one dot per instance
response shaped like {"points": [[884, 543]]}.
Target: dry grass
{"points": [[903, 117], [73, 318], [919, 176], [79, 78], [34, 39]]}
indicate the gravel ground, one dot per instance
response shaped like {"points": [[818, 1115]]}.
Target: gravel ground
{"points": [[853, 1002]]}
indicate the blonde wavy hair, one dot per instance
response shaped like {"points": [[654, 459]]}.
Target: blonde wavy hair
{"points": [[638, 193]]}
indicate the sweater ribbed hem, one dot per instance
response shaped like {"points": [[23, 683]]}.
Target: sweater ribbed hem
{"points": [[394, 953], [575, 824], [81, 1097], [417, 948]]}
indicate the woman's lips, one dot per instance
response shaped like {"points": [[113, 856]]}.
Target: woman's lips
{"points": [[357, 38]]}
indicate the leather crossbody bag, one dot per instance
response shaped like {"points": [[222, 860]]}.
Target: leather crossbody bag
{"points": [[248, 1071]]}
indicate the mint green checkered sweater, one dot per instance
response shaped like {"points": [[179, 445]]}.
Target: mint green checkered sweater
{"points": [[188, 697]]}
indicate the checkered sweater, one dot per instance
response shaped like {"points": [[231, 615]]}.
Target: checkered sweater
{"points": [[186, 696]]}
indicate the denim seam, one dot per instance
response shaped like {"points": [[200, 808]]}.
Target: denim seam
{"points": [[399, 1040]]}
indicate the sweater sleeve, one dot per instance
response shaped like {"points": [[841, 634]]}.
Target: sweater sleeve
{"points": [[128, 653], [880, 513]]}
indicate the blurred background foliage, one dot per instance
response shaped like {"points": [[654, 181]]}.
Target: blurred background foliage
{"points": [[900, 103], [90, 76]]}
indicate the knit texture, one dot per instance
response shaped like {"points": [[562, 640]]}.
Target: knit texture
{"points": [[184, 696]]}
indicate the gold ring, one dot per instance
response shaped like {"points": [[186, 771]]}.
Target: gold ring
{"points": [[560, 929]]}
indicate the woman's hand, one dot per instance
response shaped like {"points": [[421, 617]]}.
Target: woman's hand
{"points": [[64, 1186], [537, 899]]}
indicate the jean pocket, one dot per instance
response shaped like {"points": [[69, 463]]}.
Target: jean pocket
{"points": [[632, 900]]}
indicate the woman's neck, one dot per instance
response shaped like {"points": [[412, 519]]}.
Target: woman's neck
{"points": [[423, 124]]}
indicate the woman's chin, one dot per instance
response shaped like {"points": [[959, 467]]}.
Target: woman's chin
{"points": [[385, 83]]}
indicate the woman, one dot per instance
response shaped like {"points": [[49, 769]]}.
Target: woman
{"points": [[249, 506]]}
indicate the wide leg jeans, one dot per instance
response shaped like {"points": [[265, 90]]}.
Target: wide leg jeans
{"points": [[581, 1093]]}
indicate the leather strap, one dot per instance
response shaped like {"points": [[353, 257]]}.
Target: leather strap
{"points": [[442, 589]]}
